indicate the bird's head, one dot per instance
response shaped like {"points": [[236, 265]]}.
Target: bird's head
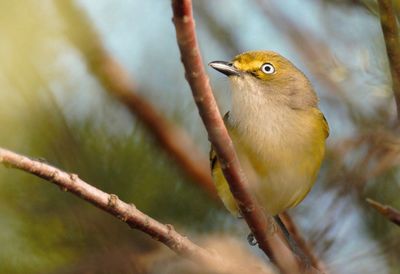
{"points": [[270, 75]]}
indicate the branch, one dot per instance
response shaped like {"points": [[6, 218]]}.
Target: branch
{"points": [[389, 212], [118, 84], [301, 242], [219, 137], [127, 213], [391, 34]]}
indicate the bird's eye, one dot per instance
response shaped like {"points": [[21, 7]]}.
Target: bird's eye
{"points": [[267, 68]]}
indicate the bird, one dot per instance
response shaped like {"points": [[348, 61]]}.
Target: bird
{"points": [[277, 130]]}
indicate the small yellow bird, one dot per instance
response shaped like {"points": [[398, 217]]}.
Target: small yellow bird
{"points": [[276, 127]]}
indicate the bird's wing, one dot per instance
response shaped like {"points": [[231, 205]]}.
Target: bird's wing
{"points": [[213, 155], [213, 159], [325, 125], [323, 121], [220, 181]]}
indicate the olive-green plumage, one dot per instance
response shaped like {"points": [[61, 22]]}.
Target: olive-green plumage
{"points": [[276, 127]]}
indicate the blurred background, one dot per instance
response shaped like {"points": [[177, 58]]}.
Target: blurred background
{"points": [[57, 104]]}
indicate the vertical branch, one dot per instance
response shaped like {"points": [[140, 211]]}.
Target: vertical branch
{"points": [[391, 34], [218, 135]]}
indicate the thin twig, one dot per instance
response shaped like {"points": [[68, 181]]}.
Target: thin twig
{"points": [[218, 135], [391, 34], [127, 213], [117, 82], [301, 242], [389, 212]]}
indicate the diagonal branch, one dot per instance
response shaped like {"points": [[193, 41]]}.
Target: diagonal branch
{"points": [[127, 213], [391, 34], [302, 243], [217, 133], [118, 84], [389, 212]]}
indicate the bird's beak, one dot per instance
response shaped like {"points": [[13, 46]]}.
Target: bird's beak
{"points": [[226, 68]]}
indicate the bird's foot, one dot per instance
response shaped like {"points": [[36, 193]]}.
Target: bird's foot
{"points": [[273, 226], [251, 239]]}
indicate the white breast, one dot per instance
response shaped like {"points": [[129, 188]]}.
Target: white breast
{"points": [[279, 137], [264, 122]]}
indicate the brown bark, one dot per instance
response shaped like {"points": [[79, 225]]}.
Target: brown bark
{"points": [[391, 34]]}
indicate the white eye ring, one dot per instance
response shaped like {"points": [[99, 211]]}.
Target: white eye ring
{"points": [[267, 68]]}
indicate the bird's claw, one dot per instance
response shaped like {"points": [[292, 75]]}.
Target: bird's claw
{"points": [[251, 239]]}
